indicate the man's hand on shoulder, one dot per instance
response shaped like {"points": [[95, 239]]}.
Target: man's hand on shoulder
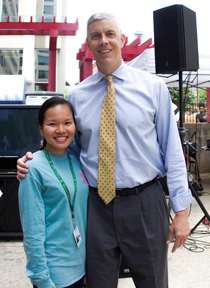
{"points": [[180, 229], [22, 167]]}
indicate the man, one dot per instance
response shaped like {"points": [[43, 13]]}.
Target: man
{"points": [[202, 117], [135, 223]]}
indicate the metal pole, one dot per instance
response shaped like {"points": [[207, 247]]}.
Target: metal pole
{"points": [[182, 130], [180, 100]]}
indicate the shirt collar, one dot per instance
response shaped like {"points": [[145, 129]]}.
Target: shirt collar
{"points": [[119, 73]]}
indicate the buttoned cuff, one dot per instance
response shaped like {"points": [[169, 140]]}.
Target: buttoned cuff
{"points": [[181, 201]]}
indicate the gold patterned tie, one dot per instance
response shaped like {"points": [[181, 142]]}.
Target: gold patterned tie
{"points": [[107, 138]]}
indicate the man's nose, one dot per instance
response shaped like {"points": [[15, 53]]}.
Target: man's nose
{"points": [[104, 39]]}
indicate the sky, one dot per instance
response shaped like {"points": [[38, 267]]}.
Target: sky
{"points": [[133, 15]]}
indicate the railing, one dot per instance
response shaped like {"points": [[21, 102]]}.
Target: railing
{"points": [[45, 18], [190, 115]]}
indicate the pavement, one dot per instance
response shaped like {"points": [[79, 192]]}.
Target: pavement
{"points": [[189, 266]]}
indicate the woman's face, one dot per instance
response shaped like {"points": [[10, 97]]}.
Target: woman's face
{"points": [[58, 128]]}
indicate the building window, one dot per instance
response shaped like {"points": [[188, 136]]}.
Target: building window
{"points": [[43, 59], [41, 69], [9, 8], [11, 62], [42, 74], [49, 8]]}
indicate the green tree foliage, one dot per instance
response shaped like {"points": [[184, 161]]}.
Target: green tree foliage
{"points": [[174, 92], [202, 97]]}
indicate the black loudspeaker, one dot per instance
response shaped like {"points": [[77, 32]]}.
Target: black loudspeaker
{"points": [[175, 39], [9, 208]]}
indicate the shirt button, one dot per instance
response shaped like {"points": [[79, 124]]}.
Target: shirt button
{"points": [[116, 160], [118, 179]]}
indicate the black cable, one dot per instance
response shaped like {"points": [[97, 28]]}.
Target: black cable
{"points": [[194, 244]]}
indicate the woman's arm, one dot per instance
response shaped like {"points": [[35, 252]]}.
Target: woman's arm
{"points": [[32, 214]]}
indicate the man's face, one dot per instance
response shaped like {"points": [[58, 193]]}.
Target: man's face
{"points": [[105, 42], [201, 108]]}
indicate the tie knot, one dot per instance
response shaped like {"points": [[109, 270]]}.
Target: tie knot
{"points": [[109, 78]]}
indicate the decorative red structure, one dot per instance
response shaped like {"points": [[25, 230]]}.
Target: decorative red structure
{"points": [[52, 29], [129, 52]]}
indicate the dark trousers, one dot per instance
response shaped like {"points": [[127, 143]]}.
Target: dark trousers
{"points": [[77, 284], [134, 226]]}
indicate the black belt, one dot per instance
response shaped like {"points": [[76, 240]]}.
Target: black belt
{"points": [[131, 191]]}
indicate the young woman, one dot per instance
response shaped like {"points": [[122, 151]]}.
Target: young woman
{"points": [[53, 204]]}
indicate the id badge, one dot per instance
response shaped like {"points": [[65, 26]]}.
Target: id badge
{"points": [[77, 236]]}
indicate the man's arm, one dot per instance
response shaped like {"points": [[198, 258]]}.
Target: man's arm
{"points": [[175, 166], [180, 229], [22, 167]]}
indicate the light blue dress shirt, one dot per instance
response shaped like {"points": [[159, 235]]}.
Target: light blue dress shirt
{"points": [[147, 137]]}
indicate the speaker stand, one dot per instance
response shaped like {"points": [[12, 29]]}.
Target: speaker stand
{"points": [[182, 132], [206, 215]]}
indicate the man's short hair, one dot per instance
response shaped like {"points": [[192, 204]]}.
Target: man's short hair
{"points": [[201, 104], [100, 16]]}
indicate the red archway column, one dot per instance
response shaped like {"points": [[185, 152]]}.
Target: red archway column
{"points": [[86, 69], [52, 60]]}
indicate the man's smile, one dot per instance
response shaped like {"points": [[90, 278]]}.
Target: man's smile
{"points": [[105, 51]]}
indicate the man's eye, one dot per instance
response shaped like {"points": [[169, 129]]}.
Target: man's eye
{"points": [[110, 34], [95, 36]]}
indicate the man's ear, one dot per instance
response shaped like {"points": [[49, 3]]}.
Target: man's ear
{"points": [[122, 40]]}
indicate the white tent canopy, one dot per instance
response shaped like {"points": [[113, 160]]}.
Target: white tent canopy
{"points": [[200, 78]]}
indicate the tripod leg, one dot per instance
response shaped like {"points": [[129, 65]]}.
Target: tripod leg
{"points": [[201, 206], [191, 231]]}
